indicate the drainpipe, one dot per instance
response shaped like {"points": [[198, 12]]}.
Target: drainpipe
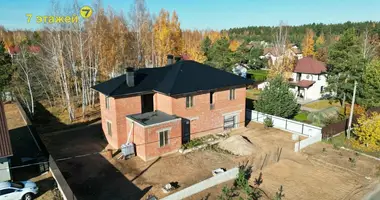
{"points": [[130, 132]]}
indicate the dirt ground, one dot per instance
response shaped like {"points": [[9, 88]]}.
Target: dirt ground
{"points": [[303, 175], [312, 174], [14, 119], [45, 184]]}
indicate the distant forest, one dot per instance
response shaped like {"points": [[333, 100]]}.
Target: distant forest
{"points": [[297, 33]]}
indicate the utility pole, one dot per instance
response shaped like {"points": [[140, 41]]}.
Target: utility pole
{"points": [[351, 112]]}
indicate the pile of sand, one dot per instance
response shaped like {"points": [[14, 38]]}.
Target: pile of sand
{"points": [[238, 145]]}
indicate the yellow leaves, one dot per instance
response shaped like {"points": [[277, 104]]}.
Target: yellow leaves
{"points": [[358, 110], [320, 40], [167, 35], [234, 45], [308, 43], [368, 130]]}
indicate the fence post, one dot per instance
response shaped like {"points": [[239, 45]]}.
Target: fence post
{"points": [[257, 116], [286, 124], [302, 127]]}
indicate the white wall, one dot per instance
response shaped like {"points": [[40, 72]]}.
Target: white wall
{"points": [[313, 92], [309, 141], [215, 180], [5, 173], [285, 124]]}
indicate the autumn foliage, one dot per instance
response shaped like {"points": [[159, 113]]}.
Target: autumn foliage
{"points": [[308, 44], [368, 131], [358, 110]]}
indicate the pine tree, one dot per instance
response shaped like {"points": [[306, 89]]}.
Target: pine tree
{"points": [[371, 84], [276, 99], [308, 44], [6, 69], [346, 65]]}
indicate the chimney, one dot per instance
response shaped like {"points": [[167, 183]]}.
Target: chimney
{"points": [[130, 77], [170, 59], [177, 58]]}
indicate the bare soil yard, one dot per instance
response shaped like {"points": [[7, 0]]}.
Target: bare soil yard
{"points": [[303, 175], [313, 174]]}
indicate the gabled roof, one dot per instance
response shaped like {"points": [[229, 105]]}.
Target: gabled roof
{"points": [[308, 65], [182, 77], [5, 141]]}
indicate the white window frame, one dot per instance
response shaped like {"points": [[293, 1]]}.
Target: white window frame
{"points": [[189, 101], [107, 99], [109, 129], [232, 94], [168, 137]]}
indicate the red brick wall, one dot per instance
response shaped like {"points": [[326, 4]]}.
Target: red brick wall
{"points": [[153, 148], [147, 139], [110, 115], [163, 103], [116, 114], [205, 119]]}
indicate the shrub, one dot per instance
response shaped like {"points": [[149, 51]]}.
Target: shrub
{"points": [[358, 110], [276, 99], [367, 130], [268, 122]]}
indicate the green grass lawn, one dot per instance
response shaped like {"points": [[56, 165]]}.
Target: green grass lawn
{"points": [[258, 75], [341, 141], [301, 116], [253, 94], [322, 104]]}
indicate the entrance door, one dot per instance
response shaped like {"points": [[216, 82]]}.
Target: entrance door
{"points": [[146, 103], [185, 131], [229, 122]]}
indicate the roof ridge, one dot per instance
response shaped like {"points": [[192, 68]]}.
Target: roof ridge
{"points": [[176, 70]]}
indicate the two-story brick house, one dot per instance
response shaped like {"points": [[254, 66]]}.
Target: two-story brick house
{"points": [[309, 79], [159, 109]]}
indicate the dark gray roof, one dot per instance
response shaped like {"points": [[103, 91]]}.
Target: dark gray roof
{"points": [[150, 118], [182, 77]]}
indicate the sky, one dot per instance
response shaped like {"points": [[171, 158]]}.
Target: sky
{"points": [[214, 14]]}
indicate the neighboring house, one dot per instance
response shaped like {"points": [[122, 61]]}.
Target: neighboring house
{"points": [[291, 51], [159, 109], [5, 147], [15, 50], [240, 70], [309, 79]]}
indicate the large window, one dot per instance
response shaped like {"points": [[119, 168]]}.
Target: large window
{"points": [[189, 101], [164, 138], [232, 94], [109, 128], [107, 103]]}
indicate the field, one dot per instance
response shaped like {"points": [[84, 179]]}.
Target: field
{"points": [[322, 104], [258, 75]]}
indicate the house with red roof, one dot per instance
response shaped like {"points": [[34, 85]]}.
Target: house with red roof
{"points": [[309, 79]]}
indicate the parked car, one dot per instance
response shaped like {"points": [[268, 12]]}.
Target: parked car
{"points": [[24, 190]]}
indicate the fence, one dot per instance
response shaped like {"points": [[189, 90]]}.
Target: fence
{"points": [[285, 124], [215, 180], [306, 142], [63, 187]]}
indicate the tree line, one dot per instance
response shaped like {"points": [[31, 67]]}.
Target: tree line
{"points": [[59, 63]]}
